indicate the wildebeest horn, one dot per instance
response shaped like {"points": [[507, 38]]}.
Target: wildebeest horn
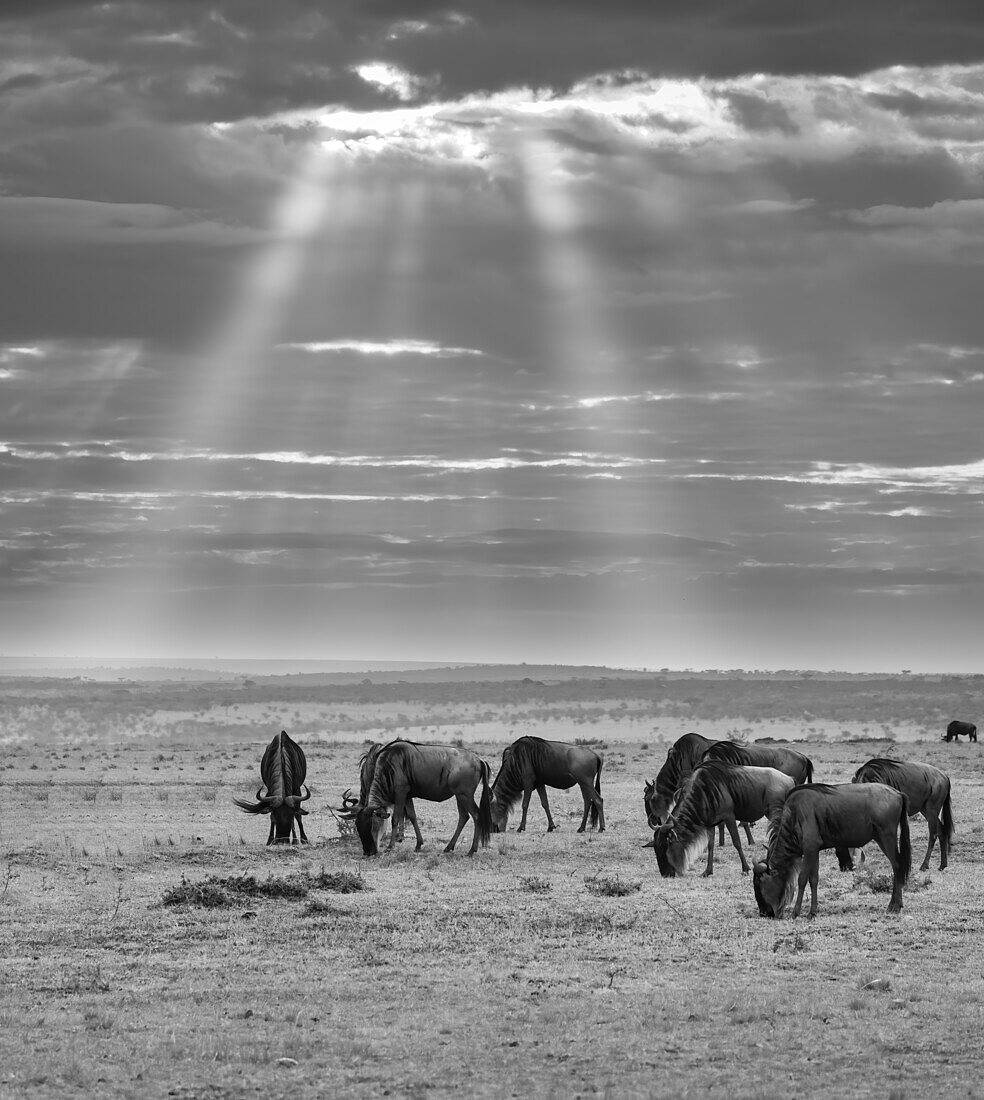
{"points": [[260, 797], [305, 797]]}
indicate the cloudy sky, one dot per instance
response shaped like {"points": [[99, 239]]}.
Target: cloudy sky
{"points": [[627, 333]]}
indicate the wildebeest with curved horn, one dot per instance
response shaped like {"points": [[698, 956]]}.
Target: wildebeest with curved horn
{"points": [[367, 769], [282, 771], [793, 763], [715, 793], [681, 758], [405, 770], [532, 764], [927, 792], [956, 729], [823, 815]]}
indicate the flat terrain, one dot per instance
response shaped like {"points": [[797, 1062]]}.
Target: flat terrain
{"points": [[535, 968]]}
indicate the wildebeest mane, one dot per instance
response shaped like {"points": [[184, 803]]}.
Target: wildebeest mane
{"points": [[702, 796], [508, 784], [882, 770], [367, 769], [681, 757]]}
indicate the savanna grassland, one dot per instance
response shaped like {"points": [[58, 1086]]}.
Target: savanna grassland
{"points": [[152, 946]]}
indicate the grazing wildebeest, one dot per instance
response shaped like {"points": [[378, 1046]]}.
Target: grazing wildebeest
{"points": [[927, 792], [533, 764], [282, 771], [717, 793], [955, 730], [822, 816], [793, 763], [351, 806], [681, 758], [406, 770]]}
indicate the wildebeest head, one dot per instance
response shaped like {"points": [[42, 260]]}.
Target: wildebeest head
{"points": [[369, 824], [661, 839], [657, 805], [770, 891], [500, 817], [282, 811]]}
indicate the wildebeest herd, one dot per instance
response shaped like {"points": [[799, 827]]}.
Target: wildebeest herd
{"points": [[703, 785]]}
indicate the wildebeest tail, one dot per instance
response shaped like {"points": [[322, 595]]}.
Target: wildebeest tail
{"points": [[594, 805], [905, 848], [483, 827], [809, 771], [947, 816]]}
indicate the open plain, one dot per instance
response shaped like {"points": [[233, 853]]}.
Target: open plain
{"points": [[152, 946]]}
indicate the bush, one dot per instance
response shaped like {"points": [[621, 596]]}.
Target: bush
{"points": [[611, 886]]}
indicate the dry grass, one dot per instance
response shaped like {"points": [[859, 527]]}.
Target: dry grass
{"points": [[548, 964]]}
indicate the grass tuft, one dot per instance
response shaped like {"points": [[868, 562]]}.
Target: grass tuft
{"points": [[217, 891], [535, 884], [611, 886], [340, 882]]}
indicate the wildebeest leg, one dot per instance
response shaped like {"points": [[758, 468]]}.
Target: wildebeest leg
{"points": [[273, 831], [736, 840], [542, 792], [748, 832], [709, 869], [399, 809], [590, 795], [293, 829], [844, 859], [809, 872], [934, 828], [411, 815], [527, 795], [300, 826], [721, 834], [888, 842], [463, 813]]}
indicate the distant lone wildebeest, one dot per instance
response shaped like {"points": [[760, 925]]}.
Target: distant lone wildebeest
{"points": [[927, 792], [533, 764], [681, 758], [717, 793], [844, 815], [282, 771], [955, 730], [793, 763], [405, 770]]}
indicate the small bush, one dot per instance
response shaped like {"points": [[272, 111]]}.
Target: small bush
{"points": [[340, 882], [535, 884], [611, 886], [207, 895]]}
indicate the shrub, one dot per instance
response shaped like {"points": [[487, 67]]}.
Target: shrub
{"points": [[611, 886]]}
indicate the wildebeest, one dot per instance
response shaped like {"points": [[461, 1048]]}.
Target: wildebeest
{"points": [[405, 770], [533, 764], [681, 758], [793, 763], [955, 730], [845, 815], [717, 793], [927, 792], [367, 768], [282, 771]]}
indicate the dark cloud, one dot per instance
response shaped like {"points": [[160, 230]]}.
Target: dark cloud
{"points": [[185, 60]]}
